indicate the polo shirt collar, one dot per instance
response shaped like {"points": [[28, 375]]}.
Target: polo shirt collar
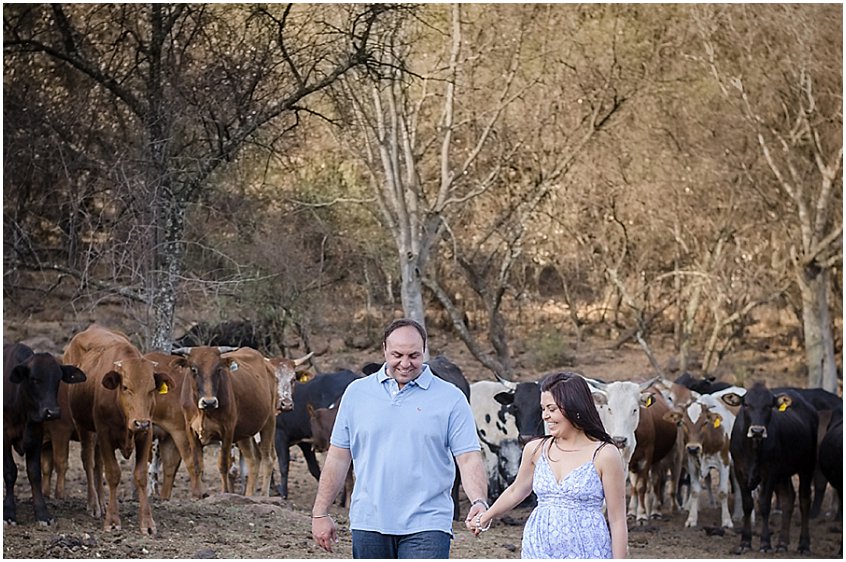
{"points": [[423, 380]]}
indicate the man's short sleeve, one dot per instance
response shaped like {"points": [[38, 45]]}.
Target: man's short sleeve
{"points": [[341, 430], [462, 429]]}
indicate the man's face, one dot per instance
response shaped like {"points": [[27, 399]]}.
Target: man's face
{"points": [[404, 355]]}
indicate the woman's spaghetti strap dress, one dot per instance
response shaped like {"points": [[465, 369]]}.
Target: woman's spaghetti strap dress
{"points": [[568, 521]]}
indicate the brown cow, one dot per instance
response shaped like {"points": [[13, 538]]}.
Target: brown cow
{"points": [[115, 407], [322, 421], [176, 441], [231, 397]]}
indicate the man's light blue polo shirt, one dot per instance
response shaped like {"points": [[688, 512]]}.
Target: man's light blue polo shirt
{"points": [[402, 444]]}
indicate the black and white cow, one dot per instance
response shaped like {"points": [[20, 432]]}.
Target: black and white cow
{"points": [[498, 435], [30, 397], [774, 437]]}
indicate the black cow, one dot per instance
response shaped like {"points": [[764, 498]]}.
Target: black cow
{"points": [[831, 456], [523, 402], [30, 388], [232, 333], [294, 427], [774, 437], [705, 385], [825, 403]]}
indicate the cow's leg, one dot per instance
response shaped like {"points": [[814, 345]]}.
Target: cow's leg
{"points": [[283, 456], [640, 487], [311, 460], [632, 510], [820, 484], [748, 507], [33, 437], [60, 445], [10, 476], [251, 454], [107, 455], [787, 497], [170, 458], [268, 455], [90, 465], [46, 467], [143, 448], [804, 509], [765, 501], [224, 461], [695, 493], [723, 496]]}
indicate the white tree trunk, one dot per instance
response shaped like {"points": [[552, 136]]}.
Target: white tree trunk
{"points": [[819, 345]]}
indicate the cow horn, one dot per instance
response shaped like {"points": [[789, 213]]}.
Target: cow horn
{"points": [[181, 351], [596, 384], [227, 349], [506, 382], [301, 360], [650, 382]]}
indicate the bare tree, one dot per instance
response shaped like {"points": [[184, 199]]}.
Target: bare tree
{"points": [[195, 84], [792, 110]]}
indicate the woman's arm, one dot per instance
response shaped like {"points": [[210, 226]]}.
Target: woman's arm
{"points": [[513, 494], [613, 475]]}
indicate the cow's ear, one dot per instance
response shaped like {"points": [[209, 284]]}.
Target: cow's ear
{"points": [[163, 382], [732, 399], [715, 419], [181, 362], [783, 401], [647, 399], [19, 374], [72, 375], [673, 416], [504, 398], [600, 398], [111, 380]]}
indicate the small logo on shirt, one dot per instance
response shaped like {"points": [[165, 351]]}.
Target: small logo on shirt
{"points": [[419, 409]]}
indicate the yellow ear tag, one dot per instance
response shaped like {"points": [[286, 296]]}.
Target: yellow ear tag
{"points": [[716, 423], [163, 388], [649, 402], [782, 407]]}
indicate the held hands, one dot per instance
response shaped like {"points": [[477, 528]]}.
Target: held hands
{"points": [[323, 531], [477, 520]]}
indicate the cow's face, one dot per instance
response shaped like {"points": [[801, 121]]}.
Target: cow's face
{"points": [[38, 379], [524, 404], [136, 385], [322, 421], [286, 372], [698, 424], [508, 460], [208, 373], [619, 409], [758, 405]]}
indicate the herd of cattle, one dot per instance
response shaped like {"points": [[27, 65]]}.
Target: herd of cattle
{"points": [[685, 436]]}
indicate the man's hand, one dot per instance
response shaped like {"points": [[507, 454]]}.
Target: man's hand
{"points": [[323, 531], [470, 522]]}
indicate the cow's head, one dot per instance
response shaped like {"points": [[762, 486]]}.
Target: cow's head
{"points": [[522, 401], [619, 404], [287, 371], [210, 373], [757, 406], [38, 378], [698, 424], [136, 385], [322, 420]]}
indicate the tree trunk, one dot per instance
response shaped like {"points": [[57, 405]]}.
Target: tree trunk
{"points": [[816, 320], [167, 273]]}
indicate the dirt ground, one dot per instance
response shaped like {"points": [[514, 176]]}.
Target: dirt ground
{"points": [[234, 526]]}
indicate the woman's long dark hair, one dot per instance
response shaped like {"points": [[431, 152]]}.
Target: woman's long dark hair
{"points": [[573, 397]]}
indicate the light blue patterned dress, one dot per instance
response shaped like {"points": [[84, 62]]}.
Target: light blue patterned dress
{"points": [[568, 520]]}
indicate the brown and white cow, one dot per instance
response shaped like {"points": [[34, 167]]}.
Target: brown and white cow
{"points": [[707, 436], [230, 397], [114, 406], [632, 414]]}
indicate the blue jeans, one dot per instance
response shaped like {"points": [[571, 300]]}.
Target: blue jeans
{"points": [[425, 544]]}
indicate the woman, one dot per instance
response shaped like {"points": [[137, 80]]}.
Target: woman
{"points": [[572, 470]]}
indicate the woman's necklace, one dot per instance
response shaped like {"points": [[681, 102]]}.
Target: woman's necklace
{"points": [[557, 446]]}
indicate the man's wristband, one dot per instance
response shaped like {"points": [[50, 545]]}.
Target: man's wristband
{"points": [[481, 501]]}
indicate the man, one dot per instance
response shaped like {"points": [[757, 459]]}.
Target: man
{"points": [[401, 428]]}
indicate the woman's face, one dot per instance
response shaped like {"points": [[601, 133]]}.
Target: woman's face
{"points": [[555, 420]]}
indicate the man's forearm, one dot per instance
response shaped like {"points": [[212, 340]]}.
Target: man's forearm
{"points": [[332, 479], [474, 477]]}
